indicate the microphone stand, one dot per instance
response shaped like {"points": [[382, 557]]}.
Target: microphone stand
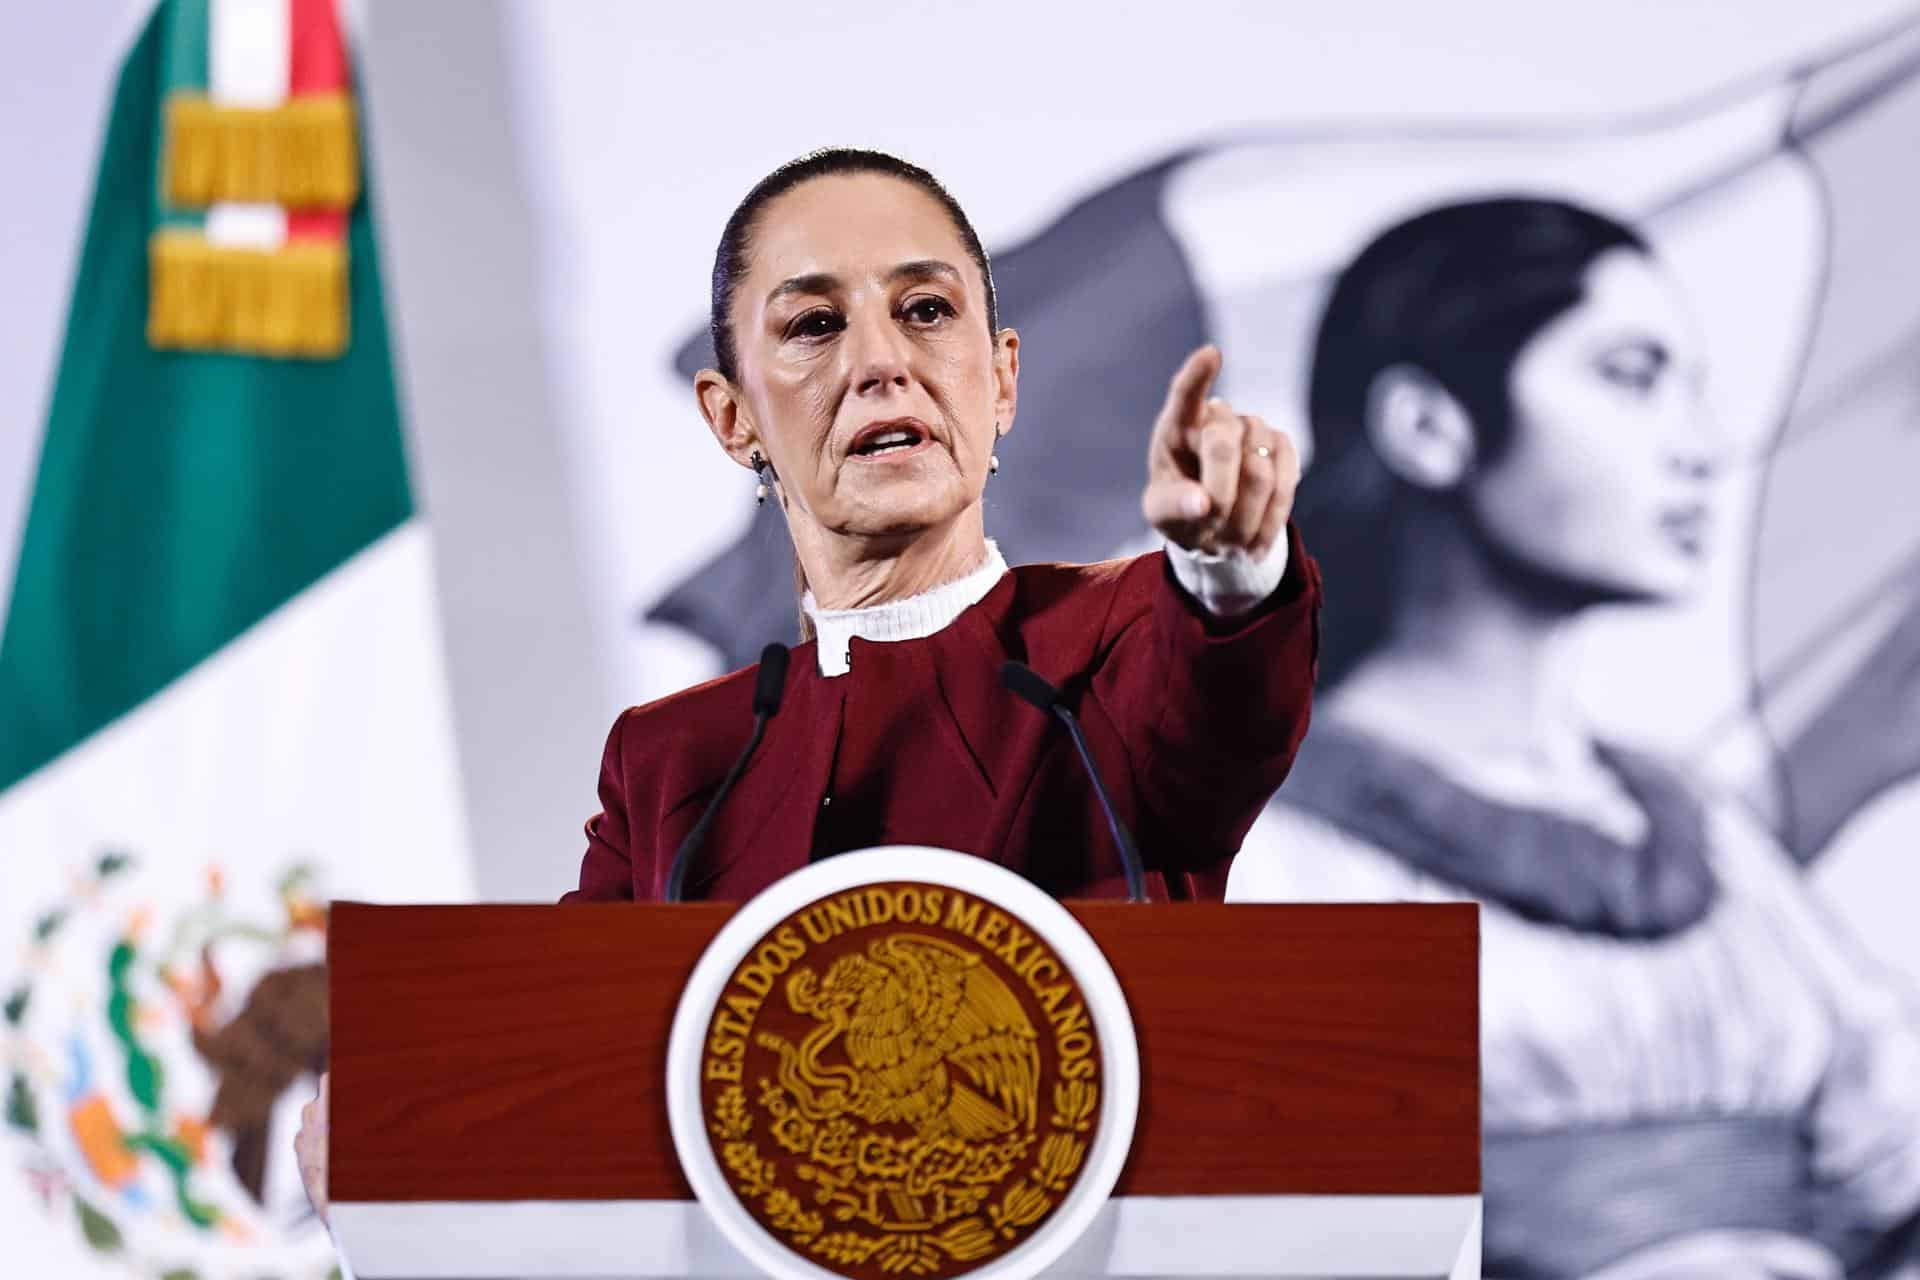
{"points": [[767, 688], [1034, 688]]}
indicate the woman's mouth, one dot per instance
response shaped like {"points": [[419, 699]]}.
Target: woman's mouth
{"points": [[885, 441], [1685, 527]]}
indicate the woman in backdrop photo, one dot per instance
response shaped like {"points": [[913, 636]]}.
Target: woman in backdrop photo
{"points": [[863, 378], [1687, 1070]]}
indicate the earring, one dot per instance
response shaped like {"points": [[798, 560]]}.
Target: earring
{"points": [[759, 465], [993, 459]]}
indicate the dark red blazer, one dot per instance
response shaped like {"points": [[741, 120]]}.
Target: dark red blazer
{"points": [[1193, 723]]}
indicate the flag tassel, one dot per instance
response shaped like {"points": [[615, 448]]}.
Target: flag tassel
{"points": [[290, 301], [300, 154]]}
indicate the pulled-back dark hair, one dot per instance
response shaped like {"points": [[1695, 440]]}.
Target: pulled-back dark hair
{"points": [[1457, 292], [730, 261]]}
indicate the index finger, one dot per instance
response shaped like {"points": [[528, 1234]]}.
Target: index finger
{"points": [[1187, 393]]}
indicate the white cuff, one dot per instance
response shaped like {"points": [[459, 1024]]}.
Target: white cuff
{"points": [[1228, 583]]}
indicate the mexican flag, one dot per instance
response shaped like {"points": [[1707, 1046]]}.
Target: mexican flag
{"points": [[221, 690]]}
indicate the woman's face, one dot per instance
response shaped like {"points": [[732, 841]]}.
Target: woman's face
{"points": [[1605, 481], [866, 368]]}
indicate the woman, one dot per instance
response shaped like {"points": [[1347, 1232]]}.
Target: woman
{"points": [[862, 374], [1686, 1069]]}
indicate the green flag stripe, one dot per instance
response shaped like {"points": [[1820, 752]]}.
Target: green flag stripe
{"points": [[184, 69], [187, 29], [180, 496]]}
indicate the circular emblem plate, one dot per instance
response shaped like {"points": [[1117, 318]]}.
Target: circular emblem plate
{"points": [[903, 1061]]}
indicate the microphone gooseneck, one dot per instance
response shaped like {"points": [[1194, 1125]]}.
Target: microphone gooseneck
{"points": [[772, 680], [767, 688], [1026, 683]]}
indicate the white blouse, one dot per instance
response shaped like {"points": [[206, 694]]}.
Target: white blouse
{"points": [[1224, 583], [1764, 1007]]}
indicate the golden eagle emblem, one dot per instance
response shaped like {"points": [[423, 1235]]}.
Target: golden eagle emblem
{"points": [[901, 1080], [932, 1039]]}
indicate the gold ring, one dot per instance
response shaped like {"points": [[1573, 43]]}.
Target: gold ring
{"points": [[1263, 451]]}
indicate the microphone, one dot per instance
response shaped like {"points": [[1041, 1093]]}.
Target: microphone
{"points": [[767, 688], [1030, 685]]}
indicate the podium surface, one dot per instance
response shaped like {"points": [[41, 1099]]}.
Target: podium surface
{"points": [[1309, 1101]]}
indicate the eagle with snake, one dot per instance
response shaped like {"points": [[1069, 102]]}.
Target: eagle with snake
{"points": [[931, 1038]]}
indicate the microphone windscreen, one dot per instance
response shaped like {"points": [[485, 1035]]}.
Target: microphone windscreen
{"points": [[772, 681], [1029, 684]]}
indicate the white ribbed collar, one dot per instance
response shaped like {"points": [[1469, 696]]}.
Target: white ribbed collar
{"points": [[908, 619]]}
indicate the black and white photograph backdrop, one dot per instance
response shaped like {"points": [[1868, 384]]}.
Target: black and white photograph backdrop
{"points": [[1597, 328]]}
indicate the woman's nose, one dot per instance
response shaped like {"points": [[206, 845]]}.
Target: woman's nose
{"points": [[878, 354], [1694, 465], [1701, 445]]}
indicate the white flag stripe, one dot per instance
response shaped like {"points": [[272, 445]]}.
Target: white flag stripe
{"points": [[247, 226], [249, 47], [322, 736], [248, 50]]}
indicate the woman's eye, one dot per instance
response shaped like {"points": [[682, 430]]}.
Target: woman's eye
{"points": [[926, 311], [815, 324], [1634, 368], [1631, 377]]}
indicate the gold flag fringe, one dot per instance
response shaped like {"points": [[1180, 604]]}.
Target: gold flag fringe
{"points": [[300, 154], [290, 301]]}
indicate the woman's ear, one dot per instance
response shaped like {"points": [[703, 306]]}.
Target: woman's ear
{"points": [[720, 406], [1419, 428], [1006, 378]]}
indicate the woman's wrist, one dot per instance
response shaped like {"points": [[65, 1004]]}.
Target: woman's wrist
{"points": [[1228, 583]]}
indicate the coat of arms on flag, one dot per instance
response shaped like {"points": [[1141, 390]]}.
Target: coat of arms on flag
{"points": [[153, 1042]]}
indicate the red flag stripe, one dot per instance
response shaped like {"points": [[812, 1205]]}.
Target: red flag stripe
{"points": [[316, 63]]}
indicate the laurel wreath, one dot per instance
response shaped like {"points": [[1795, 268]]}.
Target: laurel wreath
{"points": [[1027, 1201]]}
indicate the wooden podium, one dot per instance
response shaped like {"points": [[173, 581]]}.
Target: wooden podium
{"points": [[1309, 1105]]}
